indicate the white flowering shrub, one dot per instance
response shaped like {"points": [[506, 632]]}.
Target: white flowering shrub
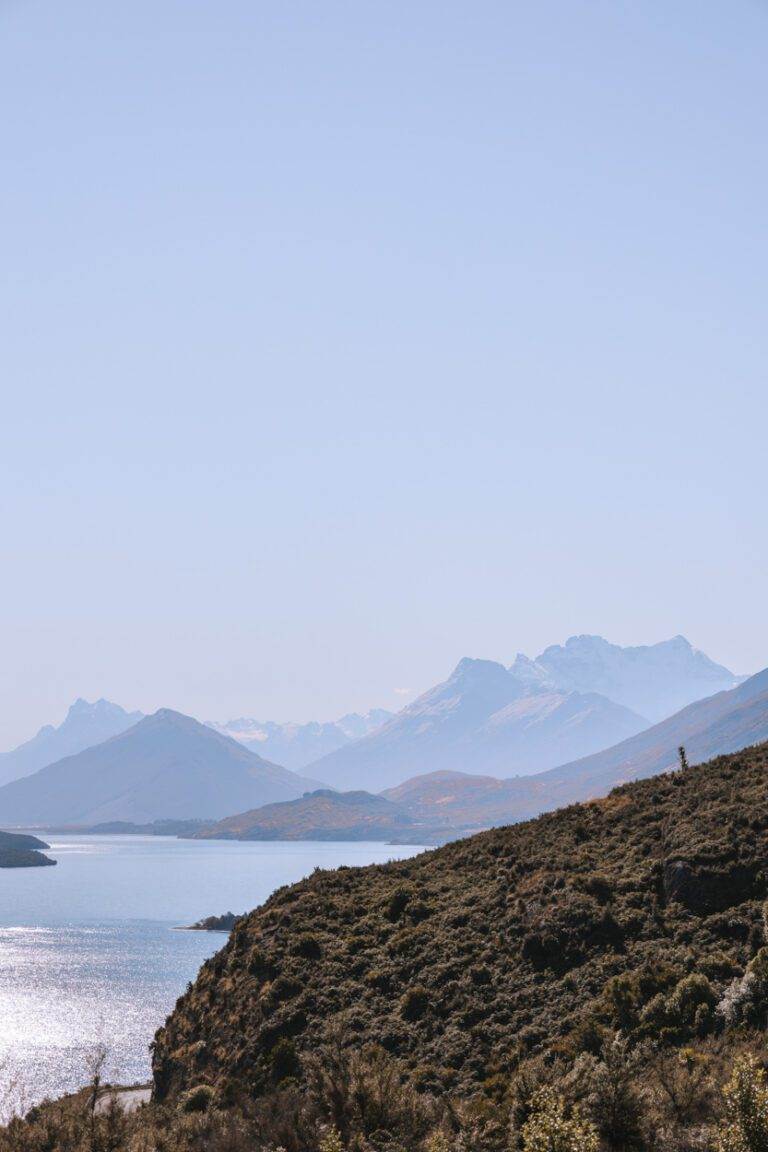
{"points": [[746, 999]]}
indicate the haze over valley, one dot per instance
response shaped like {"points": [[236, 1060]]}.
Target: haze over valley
{"points": [[407, 776]]}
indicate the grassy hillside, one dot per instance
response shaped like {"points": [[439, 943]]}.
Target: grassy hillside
{"points": [[464, 961]]}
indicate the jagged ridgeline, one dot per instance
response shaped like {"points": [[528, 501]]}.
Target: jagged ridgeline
{"points": [[638, 913]]}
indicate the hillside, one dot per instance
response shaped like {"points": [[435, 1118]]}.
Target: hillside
{"points": [[320, 815], [461, 800], [85, 725], [167, 766], [297, 745], [464, 961], [483, 719]]}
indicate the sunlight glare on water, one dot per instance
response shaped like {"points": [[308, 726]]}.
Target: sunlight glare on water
{"points": [[88, 954]]}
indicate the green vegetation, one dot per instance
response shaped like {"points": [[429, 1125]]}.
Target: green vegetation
{"points": [[223, 923], [589, 980]]}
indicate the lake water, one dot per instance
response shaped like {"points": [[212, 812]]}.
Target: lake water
{"points": [[88, 954]]}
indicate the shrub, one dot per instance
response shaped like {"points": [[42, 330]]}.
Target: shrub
{"points": [[308, 946], [284, 1060], [198, 1099], [550, 1128], [746, 1104], [414, 1003], [745, 1001], [398, 902]]}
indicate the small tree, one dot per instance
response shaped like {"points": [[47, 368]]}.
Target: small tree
{"points": [[550, 1127], [95, 1062], [746, 1106], [682, 757]]}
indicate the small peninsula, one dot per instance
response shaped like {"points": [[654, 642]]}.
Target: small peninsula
{"points": [[223, 923], [18, 850]]}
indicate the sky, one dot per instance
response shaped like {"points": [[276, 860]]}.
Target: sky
{"points": [[342, 340]]}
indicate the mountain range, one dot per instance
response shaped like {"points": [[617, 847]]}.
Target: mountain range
{"points": [[719, 724], [85, 725], [438, 806], [168, 766], [653, 680], [297, 745], [569, 702]]}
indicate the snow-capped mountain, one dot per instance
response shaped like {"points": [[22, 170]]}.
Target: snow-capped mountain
{"points": [[482, 719], [85, 724], [296, 745], [654, 680], [535, 715]]}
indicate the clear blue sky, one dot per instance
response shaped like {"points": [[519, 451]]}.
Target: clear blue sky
{"points": [[340, 340]]}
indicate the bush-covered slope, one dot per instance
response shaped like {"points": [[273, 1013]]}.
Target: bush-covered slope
{"points": [[318, 815], [634, 912]]}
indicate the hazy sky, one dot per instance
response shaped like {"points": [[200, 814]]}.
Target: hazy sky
{"points": [[340, 340]]}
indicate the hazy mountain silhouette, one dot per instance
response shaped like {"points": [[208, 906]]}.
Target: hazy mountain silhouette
{"points": [[723, 723], [85, 725], [296, 745], [654, 679], [168, 766], [571, 701], [482, 719]]}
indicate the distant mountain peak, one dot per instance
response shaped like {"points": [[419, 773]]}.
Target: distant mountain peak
{"points": [[84, 725], [83, 707], [166, 766], [297, 745], [471, 668], [653, 680]]}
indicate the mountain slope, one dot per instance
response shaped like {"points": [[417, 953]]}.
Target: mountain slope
{"points": [[85, 725], [654, 680], [463, 961], [483, 719], [320, 815], [714, 726], [296, 745], [167, 766], [717, 725]]}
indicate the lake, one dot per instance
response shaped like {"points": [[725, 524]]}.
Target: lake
{"points": [[88, 954]]}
